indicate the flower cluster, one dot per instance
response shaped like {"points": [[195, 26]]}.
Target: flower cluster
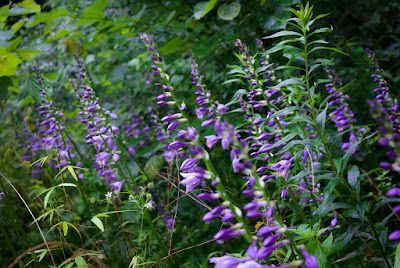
{"points": [[50, 128], [385, 111], [102, 135], [342, 116]]}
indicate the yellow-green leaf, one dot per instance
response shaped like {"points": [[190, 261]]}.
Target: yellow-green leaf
{"points": [[80, 262], [46, 198], [65, 228], [98, 223], [30, 4], [72, 171], [28, 54], [16, 26], [9, 64]]}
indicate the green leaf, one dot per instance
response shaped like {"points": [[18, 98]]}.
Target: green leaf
{"points": [[282, 33], [5, 83], [321, 119], [30, 4], [202, 8], [17, 11], [72, 171], [290, 81], [41, 256], [52, 16], [32, 85], [353, 175], [65, 228], [326, 48], [66, 184], [210, 6], [8, 63], [229, 12], [321, 30], [98, 223], [95, 11], [133, 262], [80, 262], [327, 243], [16, 26], [59, 24], [46, 198], [338, 164], [199, 9]]}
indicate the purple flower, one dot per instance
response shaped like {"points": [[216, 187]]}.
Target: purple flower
{"points": [[211, 140], [131, 151], [209, 197], [226, 234], [117, 186], [395, 235], [282, 167], [334, 221], [1, 195], [188, 163], [310, 261], [216, 212], [266, 230], [193, 178], [393, 192], [226, 261]]}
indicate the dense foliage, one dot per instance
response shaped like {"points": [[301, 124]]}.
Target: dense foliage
{"points": [[199, 134]]}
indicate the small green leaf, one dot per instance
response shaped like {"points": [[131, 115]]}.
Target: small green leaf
{"points": [[46, 198], [290, 81], [199, 10], [326, 48], [229, 12], [95, 11], [338, 164], [30, 4], [8, 65], [66, 184], [80, 262], [59, 24], [72, 171], [322, 30], [53, 15], [321, 119], [41, 256], [282, 33], [353, 175], [327, 243], [65, 228], [133, 262], [98, 223], [16, 26], [202, 8], [32, 85]]}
